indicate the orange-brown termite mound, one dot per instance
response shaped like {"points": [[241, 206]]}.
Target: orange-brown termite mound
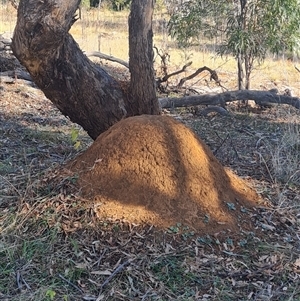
{"points": [[153, 169]]}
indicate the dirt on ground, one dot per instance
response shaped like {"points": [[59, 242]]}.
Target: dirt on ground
{"points": [[54, 240], [154, 170], [148, 169]]}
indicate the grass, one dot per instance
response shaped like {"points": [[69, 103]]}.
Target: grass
{"points": [[42, 246], [286, 156], [52, 247], [105, 31]]}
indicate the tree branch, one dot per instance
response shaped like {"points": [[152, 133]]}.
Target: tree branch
{"points": [[107, 57], [213, 73], [260, 97], [166, 77], [213, 76]]}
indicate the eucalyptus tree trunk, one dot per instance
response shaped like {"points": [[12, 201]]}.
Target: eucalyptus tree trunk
{"points": [[142, 85], [241, 52], [241, 76], [80, 89]]}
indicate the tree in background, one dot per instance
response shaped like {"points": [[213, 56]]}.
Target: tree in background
{"points": [[246, 29], [120, 4], [116, 5]]}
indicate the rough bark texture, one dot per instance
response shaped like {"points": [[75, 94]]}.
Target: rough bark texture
{"points": [[80, 89], [142, 86]]}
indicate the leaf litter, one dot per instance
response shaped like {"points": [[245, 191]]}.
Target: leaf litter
{"points": [[53, 246]]}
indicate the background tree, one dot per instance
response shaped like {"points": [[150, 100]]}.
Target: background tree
{"points": [[246, 29], [120, 4]]}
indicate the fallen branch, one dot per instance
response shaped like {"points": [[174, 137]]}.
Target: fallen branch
{"points": [[164, 57], [107, 57], [213, 76], [70, 283], [114, 273], [160, 80], [260, 97], [166, 77], [114, 59]]}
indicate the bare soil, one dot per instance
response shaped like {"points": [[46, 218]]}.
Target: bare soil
{"points": [[154, 170]]}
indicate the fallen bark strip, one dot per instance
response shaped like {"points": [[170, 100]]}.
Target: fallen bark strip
{"points": [[107, 57], [260, 97]]}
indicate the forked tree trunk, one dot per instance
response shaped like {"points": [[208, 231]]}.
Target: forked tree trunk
{"points": [[77, 87]]}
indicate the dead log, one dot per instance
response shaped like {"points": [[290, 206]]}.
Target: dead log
{"points": [[261, 98]]}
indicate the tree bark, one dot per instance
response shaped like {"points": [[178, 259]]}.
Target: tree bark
{"points": [[142, 86], [80, 89], [260, 97], [240, 72]]}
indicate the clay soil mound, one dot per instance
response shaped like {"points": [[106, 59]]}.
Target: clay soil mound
{"points": [[153, 169]]}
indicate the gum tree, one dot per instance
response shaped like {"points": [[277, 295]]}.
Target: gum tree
{"points": [[86, 93], [80, 89], [246, 29]]}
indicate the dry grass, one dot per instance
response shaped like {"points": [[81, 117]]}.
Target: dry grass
{"points": [[53, 248], [105, 31], [286, 155]]}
